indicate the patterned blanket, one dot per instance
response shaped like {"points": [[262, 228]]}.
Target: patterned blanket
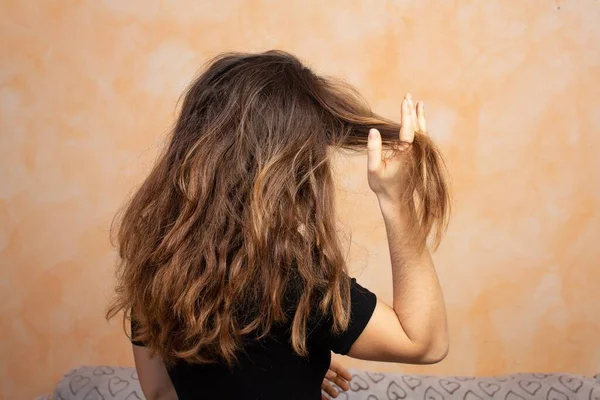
{"points": [[118, 383]]}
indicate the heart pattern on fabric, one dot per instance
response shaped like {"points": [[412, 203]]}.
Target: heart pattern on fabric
{"points": [[513, 396], [432, 394], [358, 383], [342, 395], [470, 395], [105, 382], [555, 394], [104, 371], [116, 385], [376, 377], [134, 375], [133, 396], [77, 383], [411, 381], [530, 387], [395, 392], [571, 383], [449, 386], [489, 388], [94, 394]]}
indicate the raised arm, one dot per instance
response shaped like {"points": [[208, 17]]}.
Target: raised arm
{"points": [[414, 329]]}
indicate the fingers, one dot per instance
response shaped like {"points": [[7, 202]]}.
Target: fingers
{"points": [[407, 128], [339, 375], [421, 122], [330, 375], [342, 382], [413, 110], [329, 389], [340, 370], [412, 119], [374, 157]]}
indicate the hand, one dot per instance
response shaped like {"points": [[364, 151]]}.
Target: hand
{"points": [[388, 177], [336, 374]]}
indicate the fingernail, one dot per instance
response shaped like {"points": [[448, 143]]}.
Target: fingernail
{"points": [[408, 96], [372, 133]]}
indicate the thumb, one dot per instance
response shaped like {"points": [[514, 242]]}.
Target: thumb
{"points": [[374, 150]]}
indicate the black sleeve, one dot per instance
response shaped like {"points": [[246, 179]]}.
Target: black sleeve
{"points": [[362, 305]]}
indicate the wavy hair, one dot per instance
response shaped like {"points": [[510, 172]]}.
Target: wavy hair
{"points": [[239, 210]]}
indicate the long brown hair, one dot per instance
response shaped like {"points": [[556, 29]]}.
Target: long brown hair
{"points": [[239, 209]]}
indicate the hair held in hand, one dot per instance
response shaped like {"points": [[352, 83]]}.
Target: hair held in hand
{"points": [[238, 211]]}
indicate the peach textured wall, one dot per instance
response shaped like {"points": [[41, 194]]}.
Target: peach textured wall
{"points": [[88, 88]]}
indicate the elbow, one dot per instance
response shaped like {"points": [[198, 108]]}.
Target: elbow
{"points": [[420, 353], [435, 354], [432, 352]]}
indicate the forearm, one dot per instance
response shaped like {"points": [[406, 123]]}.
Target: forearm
{"points": [[418, 300]]}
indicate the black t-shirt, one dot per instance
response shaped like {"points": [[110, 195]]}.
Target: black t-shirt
{"points": [[270, 369]]}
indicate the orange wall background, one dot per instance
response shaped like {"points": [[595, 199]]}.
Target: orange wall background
{"points": [[88, 90]]}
